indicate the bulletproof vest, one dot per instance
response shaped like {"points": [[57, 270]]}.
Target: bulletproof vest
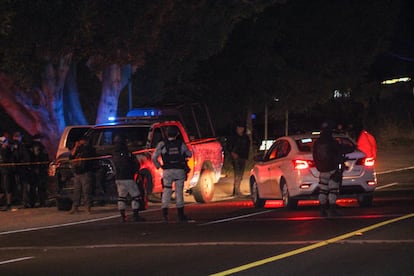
{"points": [[173, 158]]}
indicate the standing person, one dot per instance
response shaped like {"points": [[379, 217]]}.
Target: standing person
{"points": [[5, 185], [82, 164], [367, 144], [126, 166], [328, 159], [173, 153], [39, 172], [239, 150], [23, 157]]}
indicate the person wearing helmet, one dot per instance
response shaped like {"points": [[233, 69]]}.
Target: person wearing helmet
{"points": [[328, 158], [126, 167], [174, 153]]}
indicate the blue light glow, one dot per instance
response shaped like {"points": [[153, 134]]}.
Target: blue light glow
{"points": [[144, 112]]}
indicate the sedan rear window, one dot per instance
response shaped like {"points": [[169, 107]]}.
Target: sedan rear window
{"points": [[306, 144]]}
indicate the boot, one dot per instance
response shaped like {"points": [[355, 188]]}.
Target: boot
{"points": [[123, 215], [323, 210], [165, 214], [74, 210], [332, 211], [181, 216], [136, 215]]}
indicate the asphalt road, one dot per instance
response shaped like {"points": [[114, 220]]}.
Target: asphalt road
{"points": [[227, 237]]}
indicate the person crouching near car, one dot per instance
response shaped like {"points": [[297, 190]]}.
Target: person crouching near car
{"points": [[126, 166], [328, 159], [173, 153]]}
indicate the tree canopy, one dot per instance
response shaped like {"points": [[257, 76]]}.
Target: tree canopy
{"points": [[299, 53], [41, 43]]}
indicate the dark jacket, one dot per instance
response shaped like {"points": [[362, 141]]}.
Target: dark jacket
{"points": [[240, 145], [83, 159], [126, 165], [327, 153]]}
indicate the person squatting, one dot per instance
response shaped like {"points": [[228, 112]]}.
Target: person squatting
{"points": [[174, 153]]}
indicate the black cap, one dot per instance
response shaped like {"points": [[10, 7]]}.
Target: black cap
{"points": [[241, 124]]}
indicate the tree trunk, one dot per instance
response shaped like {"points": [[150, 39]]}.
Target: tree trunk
{"points": [[114, 79], [39, 111], [73, 109]]}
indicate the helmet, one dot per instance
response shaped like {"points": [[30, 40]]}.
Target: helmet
{"points": [[172, 131]]}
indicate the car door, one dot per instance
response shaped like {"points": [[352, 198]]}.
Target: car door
{"points": [[271, 188]]}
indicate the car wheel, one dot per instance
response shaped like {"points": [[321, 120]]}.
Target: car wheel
{"points": [[257, 201], [288, 202], [365, 200], [203, 192]]}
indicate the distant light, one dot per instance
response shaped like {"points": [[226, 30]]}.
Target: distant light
{"points": [[266, 144], [253, 116], [112, 118], [392, 81]]}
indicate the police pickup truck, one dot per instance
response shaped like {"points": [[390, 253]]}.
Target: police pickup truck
{"points": [[143, 129]]}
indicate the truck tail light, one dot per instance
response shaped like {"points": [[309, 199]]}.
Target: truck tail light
{"points": [[300, 164]]}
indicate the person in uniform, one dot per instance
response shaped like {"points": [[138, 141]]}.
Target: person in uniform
{"points": [[173, 153]]}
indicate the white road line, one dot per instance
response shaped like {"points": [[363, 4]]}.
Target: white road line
{"points": [[196, 244], [235, 218], [386, 186], [66, 224], [56, 225], [396, 170], [15, 260]]}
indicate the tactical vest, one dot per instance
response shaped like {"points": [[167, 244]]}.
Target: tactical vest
{"points": [[173, 158]]}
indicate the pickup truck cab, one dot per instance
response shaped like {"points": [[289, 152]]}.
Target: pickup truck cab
{"points": [[143, 134]]}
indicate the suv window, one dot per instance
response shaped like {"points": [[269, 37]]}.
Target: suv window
{"points": [[136, 136], [74, 135]]}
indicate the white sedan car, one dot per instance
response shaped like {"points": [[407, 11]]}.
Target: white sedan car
{"points": [[287, 171]]}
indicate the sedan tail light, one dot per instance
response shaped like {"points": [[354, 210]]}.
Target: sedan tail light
{"points": [[367, 162], [300, 164]]}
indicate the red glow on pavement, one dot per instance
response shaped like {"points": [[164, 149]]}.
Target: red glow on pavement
{"points": [[274, 204]]}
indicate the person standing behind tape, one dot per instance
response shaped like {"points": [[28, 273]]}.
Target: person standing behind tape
{"points": [[40, 167], [126, 166], [174, 153], [82, 156], [23, 157], [5, 159]]}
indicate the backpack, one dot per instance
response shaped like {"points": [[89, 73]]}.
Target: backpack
{"points": [[125, 165], [173, 158], [326, 155]]}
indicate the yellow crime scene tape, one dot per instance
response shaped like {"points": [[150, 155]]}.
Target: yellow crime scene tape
{"points": [[12, 164]]}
